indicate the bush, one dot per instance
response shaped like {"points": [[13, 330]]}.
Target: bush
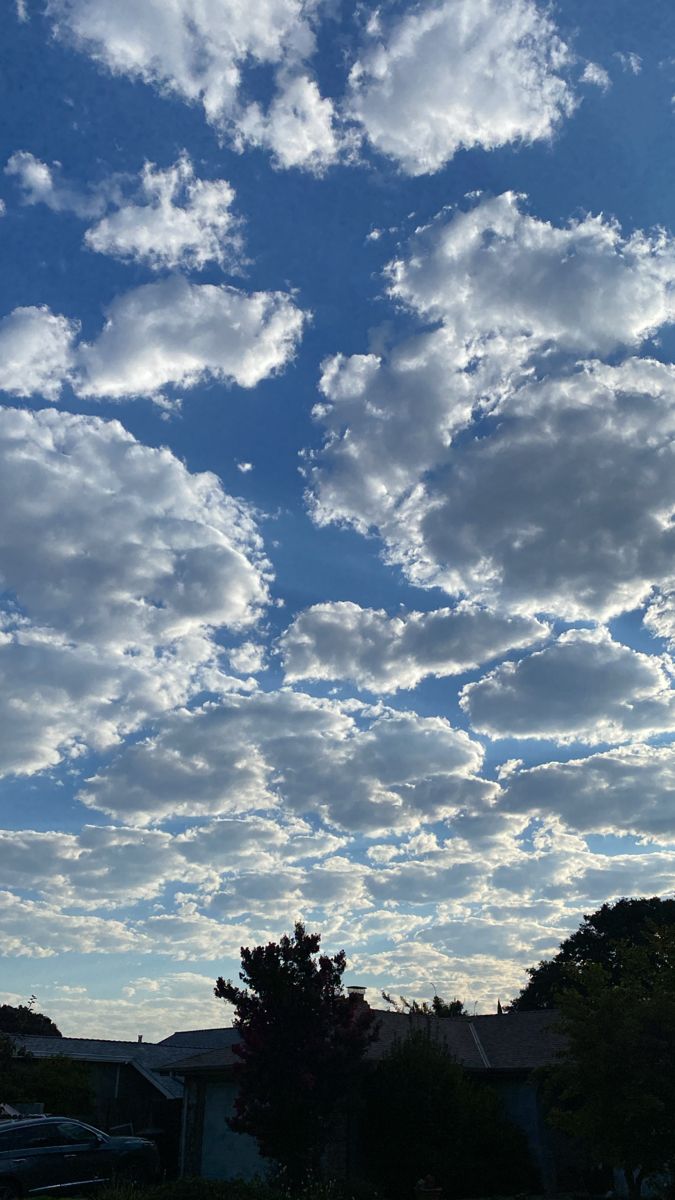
{"points": [[424, 1116]]}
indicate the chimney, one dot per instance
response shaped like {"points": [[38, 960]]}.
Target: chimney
{"points": [[358, 994], [140, 1038]]}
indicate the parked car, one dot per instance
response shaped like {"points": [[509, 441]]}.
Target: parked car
{"points": [[55, 1154]]}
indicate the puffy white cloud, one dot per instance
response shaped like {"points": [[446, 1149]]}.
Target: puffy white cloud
{"points": [[358, 768], [597, 75], [457, 74], [660, 615], [37, 929], [512, 298], [202, 53], [584, 687], [341, 640], [526, 514], [111, 866], [248, 658], [44, 184], [298, 128], [180, 221], [169, 333], [627, 790], [495, 269], [36, 351], [165, 218], [177, 333], [117, 564]]}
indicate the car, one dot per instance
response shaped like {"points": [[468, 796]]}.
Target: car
{"points": [[57, 1154]]}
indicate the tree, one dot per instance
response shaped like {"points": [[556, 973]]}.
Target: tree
{"points": [[600, 939], [24, 1019], [61, 1084], [615, 1086], [423, 1116], [437, 1007], [301, 1043]]}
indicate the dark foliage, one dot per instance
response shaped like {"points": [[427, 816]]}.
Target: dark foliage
{"points": [[61, 1084], [438, 1007], [25, 1019], [302, 1041], [423, 1116], [598, 940], [615, 1087]]}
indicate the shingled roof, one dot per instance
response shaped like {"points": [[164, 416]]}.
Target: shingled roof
{"points": [[145, 1057], [519, 1041]]}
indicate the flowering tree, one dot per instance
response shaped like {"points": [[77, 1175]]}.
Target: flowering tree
{"points": [[301, 1043]]}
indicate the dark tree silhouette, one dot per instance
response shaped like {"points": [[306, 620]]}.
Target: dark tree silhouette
{"points": [[424, 1116], [302, 1041], [437, 1007], [615, 1086], [25, 1019], [601, 939]]}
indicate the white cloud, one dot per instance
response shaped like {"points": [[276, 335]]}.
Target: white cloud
{"points": [[167, 219], [42, 184], [627, 790], [358, 768], [180, 221], [202, 53], [584, 687], [118, 564], [340, 640], [36, 352], [155, 1007], [490, 518], [496, 269], [298, 128], [472, 528], [514, 297], [660, 615], [177, 333], [37, 929], [630, 61], [169, 333], [248, 658], [596, 75], [458, 74]]}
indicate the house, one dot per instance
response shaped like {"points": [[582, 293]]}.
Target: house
{"points": [[128, 1091], [502, 1050]]}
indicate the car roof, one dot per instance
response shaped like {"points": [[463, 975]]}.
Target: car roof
{"points": [[38, 1119]]}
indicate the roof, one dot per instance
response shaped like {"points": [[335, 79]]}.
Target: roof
{"points": [[209, 1039], [145, 1057], [210, 1060], [518, 1041]]}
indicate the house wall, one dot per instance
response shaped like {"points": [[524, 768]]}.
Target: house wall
{"points": [[210, 1148]]}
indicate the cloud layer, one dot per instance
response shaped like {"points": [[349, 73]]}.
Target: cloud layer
{"points": [[340, 640], [117, 565], [489, 517]]}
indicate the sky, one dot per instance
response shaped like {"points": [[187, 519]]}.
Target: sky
{"points": [[337, 402]]}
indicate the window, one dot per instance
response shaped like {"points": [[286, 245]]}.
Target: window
{"points": [[70, 1132]]}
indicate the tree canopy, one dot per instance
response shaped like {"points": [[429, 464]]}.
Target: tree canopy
{"points": [[436, 1007], [601, 939], [301, 1040], [615, 1086], [423, 1116], [25, 1019]]}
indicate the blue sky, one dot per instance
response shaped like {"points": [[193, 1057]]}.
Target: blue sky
{"points": [[336, 550]]}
